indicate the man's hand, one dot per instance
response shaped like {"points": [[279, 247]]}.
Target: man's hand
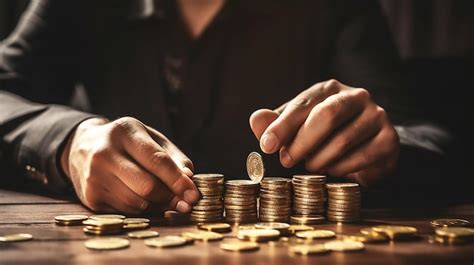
{"points": [[335, 128], [127, 166]]}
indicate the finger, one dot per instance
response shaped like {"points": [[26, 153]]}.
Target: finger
{"points": [[283, 129], [383, 145], [362, 128], [322, 122], [183, 162], [139, 180], [373, 174], [260, 119], [145, 151]]}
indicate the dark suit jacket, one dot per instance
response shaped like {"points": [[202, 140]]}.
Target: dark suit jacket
{"points": [[255, 54]]}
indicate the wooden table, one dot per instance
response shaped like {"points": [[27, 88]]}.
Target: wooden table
{"points": [[33, 213]]}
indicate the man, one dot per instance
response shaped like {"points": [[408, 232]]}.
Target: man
{"points": [[189, 74]]}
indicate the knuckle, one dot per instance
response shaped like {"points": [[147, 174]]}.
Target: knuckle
{"points": [[160, 159], [332, 85], [99, 155], [125, 125], [328, 113], [361, 94], [146, 188]]}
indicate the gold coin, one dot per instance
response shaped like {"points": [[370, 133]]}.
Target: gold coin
{"points": [[107, 243], [315, 234], [202, 235], [136, 226], [255, 167], [337, 186], [370, 231], [165, 242], [70, 219], [237, 245], [366, 238], [308, 249], [16, 237], [103, 222], [395, 230], [450, 223], [216, 227], [143, 234], [258, 235], [297, 228], [342, 245], [135, 220], [455, 232], [107, 216], [272, 225], [307, 219]]}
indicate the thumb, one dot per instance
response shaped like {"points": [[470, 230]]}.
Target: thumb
{"points": [[260, 120]]}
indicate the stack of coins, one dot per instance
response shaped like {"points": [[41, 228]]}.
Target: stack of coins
{"points": [[70, 219], [240, 201], [103, 226], [275, 200], [210, 207], [454, 235], [309, 199], [343, 202]]}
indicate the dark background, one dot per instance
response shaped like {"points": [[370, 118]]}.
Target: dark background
{"points": [[435, 41]]}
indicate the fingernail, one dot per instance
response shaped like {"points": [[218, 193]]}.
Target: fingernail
{"points": [[268, 142], [187, 171], [285, 158], [183, 207], [191, 196]]}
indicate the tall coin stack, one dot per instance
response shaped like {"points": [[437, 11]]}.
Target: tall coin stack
{"points": [[210, 207], [343, 202], [309, 198], [275, 200], [240, 201]]}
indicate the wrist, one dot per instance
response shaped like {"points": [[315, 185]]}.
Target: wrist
{"points": [[84, 125]]}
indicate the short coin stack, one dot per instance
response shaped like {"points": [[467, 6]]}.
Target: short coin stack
{"points": [[241, 201], [343, 202], [275, 200], [210, 207], [112, 226], [309, 199]]}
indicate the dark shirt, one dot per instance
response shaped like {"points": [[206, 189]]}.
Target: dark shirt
{"points": [[133, 58]]}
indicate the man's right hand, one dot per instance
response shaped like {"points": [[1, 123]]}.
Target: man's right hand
{"points": [[127, 166]]}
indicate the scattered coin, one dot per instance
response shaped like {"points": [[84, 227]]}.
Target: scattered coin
{"points": [[70, 219], [107, 243], [258, 235], [165, 242], [136, 226], [16, 237], [396, 232], [255, 167], [136, 220], [106, 216], [202, 235], [297, 228], [450, 223], [367, 238], [273, 225], [315, 234], [308, 249], [455, 232], [143, 234], [216, 227], [237, 245], [344, 245]]}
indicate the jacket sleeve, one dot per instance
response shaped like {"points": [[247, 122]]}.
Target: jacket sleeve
{"points": [[365, 56], [37, 74]]}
